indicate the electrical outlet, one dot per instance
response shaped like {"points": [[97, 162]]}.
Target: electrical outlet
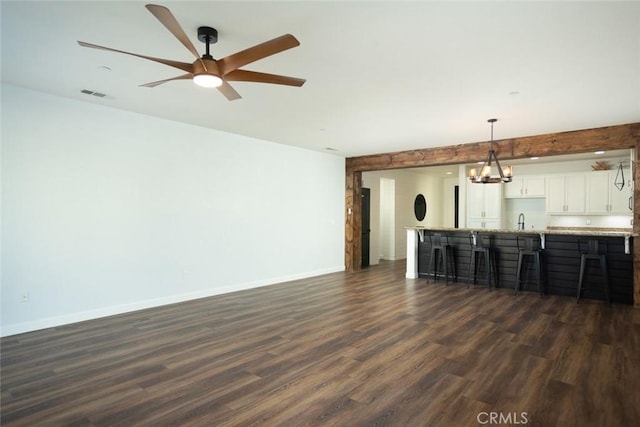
{"points": [[25, 297]]}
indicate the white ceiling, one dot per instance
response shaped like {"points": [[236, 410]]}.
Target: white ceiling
{"points": [[381, 76]]}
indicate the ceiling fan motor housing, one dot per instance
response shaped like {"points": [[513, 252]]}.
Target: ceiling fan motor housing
{"points": [[211, 33], [210, 64]]}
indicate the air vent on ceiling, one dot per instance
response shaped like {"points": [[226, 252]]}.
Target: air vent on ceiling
{"points": [[90, 92]]}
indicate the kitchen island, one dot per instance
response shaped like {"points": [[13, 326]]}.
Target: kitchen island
{"points": [[561, 258]]}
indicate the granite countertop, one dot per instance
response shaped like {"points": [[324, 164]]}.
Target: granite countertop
{"points": [[584, 231]]}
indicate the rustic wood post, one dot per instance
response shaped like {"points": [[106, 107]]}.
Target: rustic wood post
{"points": [[353, 219]]}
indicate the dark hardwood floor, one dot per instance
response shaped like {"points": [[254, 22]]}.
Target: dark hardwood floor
{"points": [[344, 349]]}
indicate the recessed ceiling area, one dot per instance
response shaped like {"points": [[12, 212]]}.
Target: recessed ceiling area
{"points": [[380, 76]]}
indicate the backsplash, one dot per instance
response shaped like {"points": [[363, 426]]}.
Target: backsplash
{"points": [[593, 221], [535, 216]]}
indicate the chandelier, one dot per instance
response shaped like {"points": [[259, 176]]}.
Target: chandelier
{"points": [[484, 176]]}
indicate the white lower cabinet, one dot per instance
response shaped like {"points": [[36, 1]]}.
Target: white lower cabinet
{"points": [[487, 223]]}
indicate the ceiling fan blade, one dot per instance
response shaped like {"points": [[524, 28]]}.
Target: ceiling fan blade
{"points": [[184, 66], [252, 54], [254, 76], [229, 92], [167, 19], [159, 82]]}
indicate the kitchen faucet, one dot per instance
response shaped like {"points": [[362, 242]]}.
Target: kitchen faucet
{"points": [[521, 221]]}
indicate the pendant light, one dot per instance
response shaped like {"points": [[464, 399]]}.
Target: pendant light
{"points": [[484, 175], [619, 181]]}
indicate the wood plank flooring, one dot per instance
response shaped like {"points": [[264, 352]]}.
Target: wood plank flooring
{"points": [[344, 349]]}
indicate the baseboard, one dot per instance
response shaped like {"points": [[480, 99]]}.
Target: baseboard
{"points": [[51, 322]]}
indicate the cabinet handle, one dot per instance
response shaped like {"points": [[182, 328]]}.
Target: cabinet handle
{"points": [[631, 203]]}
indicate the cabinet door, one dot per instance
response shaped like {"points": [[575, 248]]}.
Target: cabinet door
{"points": [[619, 200], [475, 200], [575, 193], [475, 223], [514, 188], [555, 194], [598, 192], [534, 186], [525, 186], [493, 224], [493, 201]]}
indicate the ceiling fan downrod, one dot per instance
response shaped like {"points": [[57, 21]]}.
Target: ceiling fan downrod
{"points": [[207, 35]]}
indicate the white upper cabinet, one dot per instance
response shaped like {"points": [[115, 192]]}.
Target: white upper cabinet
{"points": [[566, 194], [525, 186], [603, 197]]}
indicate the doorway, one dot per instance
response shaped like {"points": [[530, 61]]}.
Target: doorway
{"points": [[456, 206], [366, 226]]}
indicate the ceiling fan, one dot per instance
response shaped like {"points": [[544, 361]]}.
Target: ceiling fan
{"points": [[208, 72]]}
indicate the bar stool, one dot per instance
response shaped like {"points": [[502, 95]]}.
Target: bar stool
{"points": [[528, 246], [592, 251], [441, 251], [481, 250]]}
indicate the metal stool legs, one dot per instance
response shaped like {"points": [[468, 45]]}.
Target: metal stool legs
{"points": [[603, 272], [441, 251], [443, 254], [538, 267], [489, 264]]}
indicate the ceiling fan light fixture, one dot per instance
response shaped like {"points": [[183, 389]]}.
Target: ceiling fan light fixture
{"points": [[207, 80]]}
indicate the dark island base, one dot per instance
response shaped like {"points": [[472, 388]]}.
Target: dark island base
{"points": [[560, 264]]}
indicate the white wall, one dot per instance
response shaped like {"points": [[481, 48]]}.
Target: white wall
{"points": [[106, 211], [387, 218]]}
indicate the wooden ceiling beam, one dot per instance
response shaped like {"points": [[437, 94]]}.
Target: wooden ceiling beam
{"points": [[551, 144]]}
